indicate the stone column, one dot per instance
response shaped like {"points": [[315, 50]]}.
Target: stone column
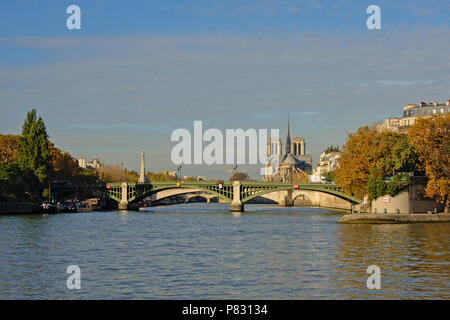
{"points": [[142, 174], [236, 205], [123, 205]]}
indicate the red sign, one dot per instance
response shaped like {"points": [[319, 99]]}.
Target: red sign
{"points": [[386, 199], [295, 186], [108, 187]]}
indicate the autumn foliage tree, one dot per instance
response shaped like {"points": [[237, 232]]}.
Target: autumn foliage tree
{"points": [[431, 138], [239, 176], [356, 161], [8, 148], [63, 165], [368, 156]]}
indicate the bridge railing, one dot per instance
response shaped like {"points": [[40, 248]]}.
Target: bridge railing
{"points": [[226, 190]]}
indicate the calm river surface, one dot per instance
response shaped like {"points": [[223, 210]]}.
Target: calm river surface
{"points": [[202, 251]]}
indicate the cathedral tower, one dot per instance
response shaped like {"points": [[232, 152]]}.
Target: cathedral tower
{"points": [[288, 139]]}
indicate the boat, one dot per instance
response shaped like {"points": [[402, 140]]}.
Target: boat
{"points": [[65, 207], [47, 207]]}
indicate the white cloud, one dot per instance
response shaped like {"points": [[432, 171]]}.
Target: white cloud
{"points": [[120, 93]]}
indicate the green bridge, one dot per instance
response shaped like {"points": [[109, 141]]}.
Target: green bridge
{"points": [[236, 193]]}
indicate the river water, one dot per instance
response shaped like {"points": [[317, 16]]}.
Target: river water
{"points": [[202, 251]]}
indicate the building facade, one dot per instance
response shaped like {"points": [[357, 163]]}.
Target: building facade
{"points": [[93, 164], [328, 161], [410, 200], [411, 112]]}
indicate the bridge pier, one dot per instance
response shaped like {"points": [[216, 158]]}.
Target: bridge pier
{"points": [[237, 192], [237, 205], [123, 204], [286, 199]]}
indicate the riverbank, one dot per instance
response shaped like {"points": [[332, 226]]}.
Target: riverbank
{"points": [[18, 208], [394, 218]]}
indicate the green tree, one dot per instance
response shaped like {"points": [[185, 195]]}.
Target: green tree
{"points": [[331, 175], [332, 149], [16, 184], [397, 153], [376, 187], [33, 147]]}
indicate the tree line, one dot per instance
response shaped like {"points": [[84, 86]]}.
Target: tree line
{"points": [[30, 161], [377, 163]]}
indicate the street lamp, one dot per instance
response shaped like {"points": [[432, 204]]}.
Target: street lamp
{"points": [[179, 172]]}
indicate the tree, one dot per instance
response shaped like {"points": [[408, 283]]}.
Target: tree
{"points": [[397, 153], [8, 148], [330, 175], [32, 150], [369, 156], [431, 138], [151, 176], [376, 187], [16, 184], [63, 165], [239, 176], [332, 149], [356, 161]]}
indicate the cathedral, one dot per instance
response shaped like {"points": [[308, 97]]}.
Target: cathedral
{"points": [[293, 166]]}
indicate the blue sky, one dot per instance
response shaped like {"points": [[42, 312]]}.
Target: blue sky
{"points": [[137, 70]]}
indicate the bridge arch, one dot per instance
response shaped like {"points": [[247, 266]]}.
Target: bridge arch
{"points": [[236, 192], [168, 191], [312, 197], [163, 194], [308, 189]]}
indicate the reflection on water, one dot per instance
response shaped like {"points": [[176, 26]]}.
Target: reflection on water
{"points": [[414, 259], [195, 251]]}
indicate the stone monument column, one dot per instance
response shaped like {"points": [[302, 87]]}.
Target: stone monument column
{"points": [[142, 174]]}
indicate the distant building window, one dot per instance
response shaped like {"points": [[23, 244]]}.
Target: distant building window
{"points": [[434, 111], [442, 110]]}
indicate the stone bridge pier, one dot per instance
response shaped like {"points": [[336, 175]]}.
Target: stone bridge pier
{"points": [[123, 204], [286, 199], [236, 205], [236, 193]]}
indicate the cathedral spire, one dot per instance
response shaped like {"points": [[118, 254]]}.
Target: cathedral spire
{"points": [[288, 138]]}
